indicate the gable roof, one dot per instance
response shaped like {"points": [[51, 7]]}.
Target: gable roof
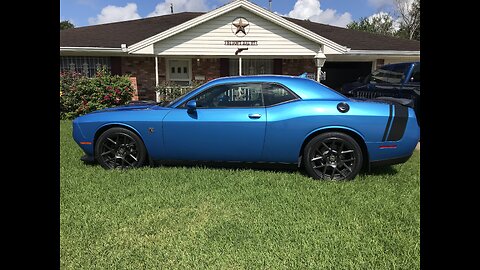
{"points": [[112, 35]]}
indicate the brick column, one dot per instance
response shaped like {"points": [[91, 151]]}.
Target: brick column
{"points": [[133, 81]]}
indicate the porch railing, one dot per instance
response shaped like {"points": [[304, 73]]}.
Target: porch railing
{"points": [[169, 93]]}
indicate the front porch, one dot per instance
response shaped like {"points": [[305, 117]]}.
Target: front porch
{"points": [[154, 71]]}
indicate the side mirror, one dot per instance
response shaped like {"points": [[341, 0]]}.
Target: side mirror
{"points": [[191, 106]]}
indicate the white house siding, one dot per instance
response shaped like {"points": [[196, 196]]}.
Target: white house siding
{"points": [[208, 39]]}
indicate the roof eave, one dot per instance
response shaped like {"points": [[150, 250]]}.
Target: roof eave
{"points": [[92, 50], [384, 52]]}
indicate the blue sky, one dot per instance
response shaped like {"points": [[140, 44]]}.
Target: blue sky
{"points": [[334, 12]]}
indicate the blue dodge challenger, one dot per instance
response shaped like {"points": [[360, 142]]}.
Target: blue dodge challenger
{"points": [[267, 118]]}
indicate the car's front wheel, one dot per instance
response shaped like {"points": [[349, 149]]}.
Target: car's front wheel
{"points": [[332, 156], [120, 148]]}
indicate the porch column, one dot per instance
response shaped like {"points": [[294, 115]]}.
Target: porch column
{"points": [[157, 97], [156, 70], [240, 66]]}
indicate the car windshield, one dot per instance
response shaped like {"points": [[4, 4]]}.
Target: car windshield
{"points": [[169, 104], [389, 74]]}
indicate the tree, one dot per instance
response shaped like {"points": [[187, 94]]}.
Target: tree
{"points": [[409, 14], [381, 23], [66, 25], [405, 24]]}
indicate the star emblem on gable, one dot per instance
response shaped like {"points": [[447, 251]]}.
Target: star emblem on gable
{"points": [[241, 24]]}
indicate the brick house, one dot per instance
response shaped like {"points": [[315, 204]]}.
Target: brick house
{"points": [[238, 38]]}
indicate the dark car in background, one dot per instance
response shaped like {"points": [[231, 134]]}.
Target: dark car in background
{"points": [[398, 82]]}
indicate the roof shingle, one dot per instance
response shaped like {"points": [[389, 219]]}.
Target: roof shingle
{"points": [[112, 35]]}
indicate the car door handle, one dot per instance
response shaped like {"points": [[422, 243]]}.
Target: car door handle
{"points": [[254, 115]]}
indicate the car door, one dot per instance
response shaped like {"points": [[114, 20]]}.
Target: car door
{"points": [[227, 125], [283, 130]]}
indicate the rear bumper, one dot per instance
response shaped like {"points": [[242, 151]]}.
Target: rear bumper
{"points": [[87, 159], [392, 161]]}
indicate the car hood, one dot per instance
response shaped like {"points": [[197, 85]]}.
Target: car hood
{"points": [[133, 107]]}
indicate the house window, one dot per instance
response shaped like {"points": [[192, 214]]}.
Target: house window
{"points": [[251, 66], [179, 72], [84, 64]]}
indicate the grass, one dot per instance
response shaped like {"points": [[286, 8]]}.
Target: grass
{"points": [[184, 217]]}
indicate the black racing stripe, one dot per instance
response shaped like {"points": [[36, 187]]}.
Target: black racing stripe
{"points": [[399, 123], [388, 123]]}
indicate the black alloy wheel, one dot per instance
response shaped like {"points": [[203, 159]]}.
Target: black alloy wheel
{"points": [[332, 156], [120, 148]]}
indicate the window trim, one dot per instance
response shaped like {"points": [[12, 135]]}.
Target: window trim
{"points": [[297, 97]]}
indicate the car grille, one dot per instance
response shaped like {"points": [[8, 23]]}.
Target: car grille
{"points": [[366, 94]]}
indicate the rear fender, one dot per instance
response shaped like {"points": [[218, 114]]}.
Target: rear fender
{"points": [[355, 134]]}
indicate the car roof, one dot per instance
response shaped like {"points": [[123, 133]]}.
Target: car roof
{"points": [[304, 87]]}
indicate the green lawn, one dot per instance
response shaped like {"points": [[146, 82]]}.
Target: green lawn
{"points": [[184, 217]]}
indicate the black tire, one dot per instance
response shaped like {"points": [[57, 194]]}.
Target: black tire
{"points": [[332, 156], [120, 148]]}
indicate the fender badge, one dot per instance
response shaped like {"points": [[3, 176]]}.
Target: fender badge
{"points": [[151, 130]]}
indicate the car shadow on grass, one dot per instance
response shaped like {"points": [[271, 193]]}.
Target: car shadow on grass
{"points": [[384, 170], [266, 167], [229, 165]]}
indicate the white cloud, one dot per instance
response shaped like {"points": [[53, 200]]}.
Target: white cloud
{"points": [[179, 6], [310, 9], [115, 14]]}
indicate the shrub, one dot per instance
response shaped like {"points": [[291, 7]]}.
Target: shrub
{"points": [[80, 94]]}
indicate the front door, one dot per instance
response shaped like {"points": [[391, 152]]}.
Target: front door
{"points": [[179, 71], [228, 125]]}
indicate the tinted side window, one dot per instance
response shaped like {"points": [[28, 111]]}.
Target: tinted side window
{"points": [[230, 96], [274, 94]]}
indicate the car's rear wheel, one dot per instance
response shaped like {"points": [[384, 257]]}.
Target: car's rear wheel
{"points": [[120, 148], [332, 156]]}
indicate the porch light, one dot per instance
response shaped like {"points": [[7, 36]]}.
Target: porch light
{"points": [[320, 59]]}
